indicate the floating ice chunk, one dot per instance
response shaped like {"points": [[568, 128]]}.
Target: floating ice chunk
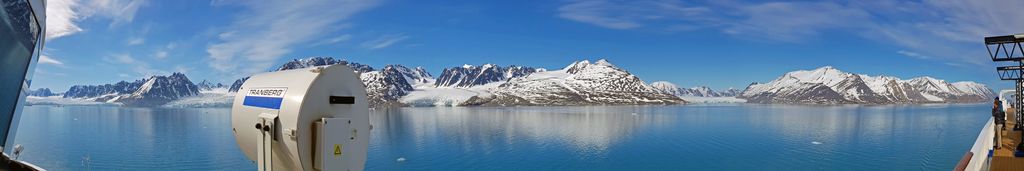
{"points": [[400, 159]]}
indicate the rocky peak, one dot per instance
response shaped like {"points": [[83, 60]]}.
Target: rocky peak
{"points": [[41, 92], [322, 61], [469, 75]]}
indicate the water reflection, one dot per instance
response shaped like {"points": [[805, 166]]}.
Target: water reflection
{"points": [[588, 129], [114, 138], [687, 137], [691, 137]]}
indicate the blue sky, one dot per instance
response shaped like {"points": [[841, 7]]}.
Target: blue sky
{"points": [[720, 44]]}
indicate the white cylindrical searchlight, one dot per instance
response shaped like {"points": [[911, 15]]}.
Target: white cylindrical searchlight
{"points": [[303, 119]]}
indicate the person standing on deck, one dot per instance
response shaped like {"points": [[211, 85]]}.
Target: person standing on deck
{"points": [[999, 117]]}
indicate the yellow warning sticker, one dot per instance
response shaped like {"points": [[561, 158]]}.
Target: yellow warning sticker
{"points": [[337, 150]]}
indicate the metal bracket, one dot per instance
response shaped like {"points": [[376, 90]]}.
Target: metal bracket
{"points": [[266, 123]]}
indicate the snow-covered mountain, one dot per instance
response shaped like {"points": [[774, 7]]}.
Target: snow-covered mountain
{"points": [[41, 92], [322, 61], [417, 76], [383, 87], [207, 85], [386, 86], [306, 63], [700, 94], [580, 83], [237, 84], [154, 91], [88, 91], [158, 90], [731, 92], [469, 75], [827, 85], [699, 91]]}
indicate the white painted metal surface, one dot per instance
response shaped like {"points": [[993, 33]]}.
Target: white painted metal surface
{"points": [[300, 98], [1004, 95], [981, 148], [333, 146]]}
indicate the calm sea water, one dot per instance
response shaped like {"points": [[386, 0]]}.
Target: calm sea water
{"points": [[690, 137]]}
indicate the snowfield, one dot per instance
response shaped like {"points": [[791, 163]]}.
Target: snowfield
{"points": [[695, 99], [426, 94], [443, 96], [217, 97]]}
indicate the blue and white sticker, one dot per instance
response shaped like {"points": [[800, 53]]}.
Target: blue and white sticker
{"points": [[265, 97]]}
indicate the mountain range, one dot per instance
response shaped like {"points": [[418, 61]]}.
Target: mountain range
{"points": [[699, 91], [579, 83], [42, 92], [154, 91], [828, 85]]}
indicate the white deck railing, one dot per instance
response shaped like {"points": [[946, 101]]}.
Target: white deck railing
{"points": [[982, 146]]}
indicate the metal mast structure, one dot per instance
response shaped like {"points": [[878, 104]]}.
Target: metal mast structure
{"points": [[1009, 49]]}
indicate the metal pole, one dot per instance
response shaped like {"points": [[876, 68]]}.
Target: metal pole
{"points": [[1020, 94]]}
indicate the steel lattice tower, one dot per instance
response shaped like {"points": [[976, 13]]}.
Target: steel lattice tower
{"points": [[1009, 49]]}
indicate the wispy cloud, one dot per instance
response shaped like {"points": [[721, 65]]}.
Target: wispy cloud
{"points": [[266, 30], [48, 73], [384, 41], [163, 52], [160, 54], [794, 21], [61, 18], [182, 69], [122, 58], [632, 14], [933, 30], [912, 54], [63, 15], [136, 41], [46, 59], [342, 38], [141, 68]]}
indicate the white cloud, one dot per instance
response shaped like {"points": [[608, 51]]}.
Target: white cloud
{"points": [[61, 18], [122, 58], [950, 31], [341, 38], [46, 59], [141, 68], [160, 54], [120, 11], [384, 41], [48, 73], [182, 69], [793, 21], [631, 14], [163, 52], [63, 15], [912, 54], [269, 29], [136, 41]]}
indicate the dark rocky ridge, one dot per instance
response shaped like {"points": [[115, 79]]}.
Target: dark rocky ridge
{"points": [[468, 75], [154, 91]]}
